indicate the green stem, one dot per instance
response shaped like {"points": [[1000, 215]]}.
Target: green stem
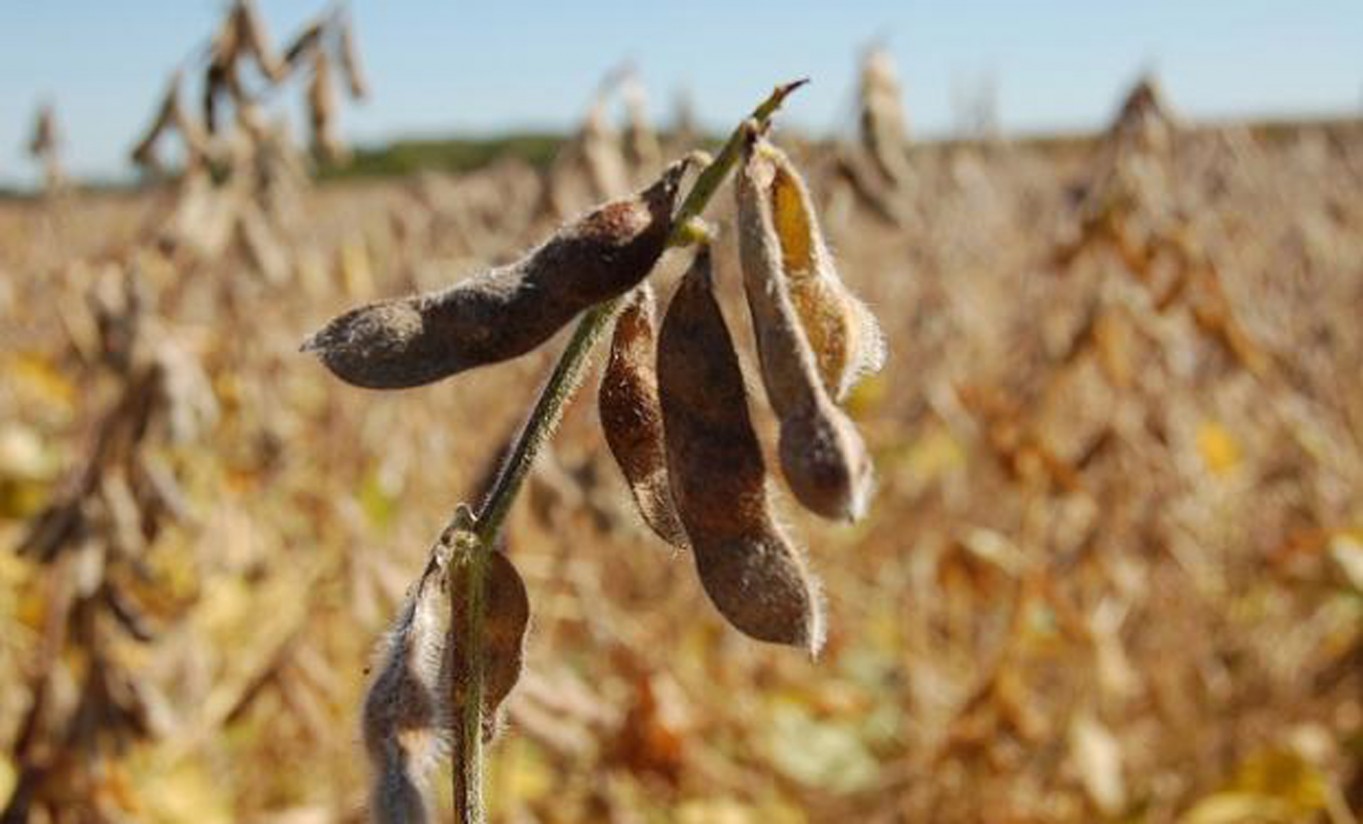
{"points": [[539, 427], [710, 179]]}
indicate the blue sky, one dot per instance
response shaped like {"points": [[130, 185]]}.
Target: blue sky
{"points": [[447, 67]]}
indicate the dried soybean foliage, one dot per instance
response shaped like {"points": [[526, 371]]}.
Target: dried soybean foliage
{"points": [[506, 311], [631, 414], [45, 145], [884, 135], [322, 109], [813, 337], [308, 39], [46, 137], [642, 149], [255, 37], [98, 542], [747, 563], [352, 65], [1191, 587], [172, 116]]}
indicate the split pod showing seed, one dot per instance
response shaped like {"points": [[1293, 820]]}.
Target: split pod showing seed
{"points": [[507, 311], [632, 416], [806, 327], [777, 211], [747, 564]]}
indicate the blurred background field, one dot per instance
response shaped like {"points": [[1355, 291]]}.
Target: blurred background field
{"points": [[1114, 570]]}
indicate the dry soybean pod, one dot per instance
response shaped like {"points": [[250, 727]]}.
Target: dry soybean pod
{"points": [[351, 67], [506, 617], [403, 731], [322, 107], [507, 311], [256, 37], [144, 152], [631, 414], [822, 455], [747, 564], [306, 40], [844, 336]]}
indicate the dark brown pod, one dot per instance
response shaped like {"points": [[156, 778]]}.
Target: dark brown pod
{"points": [[506, 311], [747, 564], [632, 415]]}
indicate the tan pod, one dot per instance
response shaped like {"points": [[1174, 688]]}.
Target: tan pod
{"points": [[806, 337]]}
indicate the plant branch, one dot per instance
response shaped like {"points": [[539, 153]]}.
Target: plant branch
{"points": [[539, 427]]}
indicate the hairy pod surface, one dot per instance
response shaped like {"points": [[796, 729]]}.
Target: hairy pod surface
{"points": [[507, 311], [822, 455], [403, 734], [506, 618], [632, 416], [748, 566], [780, 232]]}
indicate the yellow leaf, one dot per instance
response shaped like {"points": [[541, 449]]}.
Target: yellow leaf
{"points": [[1098, 757], [715, 811], [1286, 776], [35, 378], [867, 396], [7, 776], [1220, 452], [1237, 808], [1346, 550], [187, 792]]}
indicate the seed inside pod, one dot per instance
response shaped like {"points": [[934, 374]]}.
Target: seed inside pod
{"points": [[822, 456], [843, 334], [747, 564], [632, 417], [506, 311]]}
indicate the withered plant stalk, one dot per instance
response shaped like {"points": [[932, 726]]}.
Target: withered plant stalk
{"points": [[538, 428]]}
